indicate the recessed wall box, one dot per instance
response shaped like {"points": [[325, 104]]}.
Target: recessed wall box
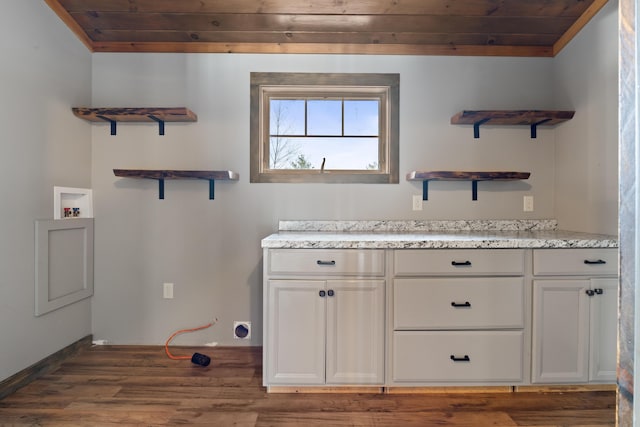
{"points": [[69, 202]]}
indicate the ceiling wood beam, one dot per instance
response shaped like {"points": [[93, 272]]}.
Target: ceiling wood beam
{"points": [[362, 37], [320, 23], [324, 48]]}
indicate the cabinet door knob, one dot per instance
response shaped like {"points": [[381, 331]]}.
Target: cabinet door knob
{"points": [[460, 264], [322, 293], [598, 261], [330, 292], [465, 358], [598, 291], [321, 262], [460, 305], [590, 292]]}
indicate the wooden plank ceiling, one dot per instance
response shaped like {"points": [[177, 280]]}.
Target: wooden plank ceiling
{"points": [[411, 27]]}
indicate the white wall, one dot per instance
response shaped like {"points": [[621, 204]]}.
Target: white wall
{"points": [[586, 80], [45, 71], [211, 249]]}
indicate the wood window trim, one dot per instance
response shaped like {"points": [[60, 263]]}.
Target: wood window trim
{"points": [[317, 83]]}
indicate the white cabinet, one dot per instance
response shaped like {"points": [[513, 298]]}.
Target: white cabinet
{"points": [[438, 317], [355, 332], [296, 332], [324, 331], [458, 317], [574, 316], [603, 329]]}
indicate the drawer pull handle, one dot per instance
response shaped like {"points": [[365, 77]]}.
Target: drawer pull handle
{"points": [[596, 262], [460, 264], [322, 294], [461, 305], [460, 359], [321, 262]]}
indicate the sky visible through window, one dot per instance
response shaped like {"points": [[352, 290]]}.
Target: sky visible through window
{"points": [[342, 131]]}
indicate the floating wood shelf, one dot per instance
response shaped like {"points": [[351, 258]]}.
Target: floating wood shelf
{"points": [[533, 118], [161, 175], [114, 115], [474, 177]]}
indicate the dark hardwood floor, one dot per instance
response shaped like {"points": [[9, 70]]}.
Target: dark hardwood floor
{"points": [[139, 385]]}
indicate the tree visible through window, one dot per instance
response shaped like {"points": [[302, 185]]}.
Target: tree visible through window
{"points": [[324, 128]]}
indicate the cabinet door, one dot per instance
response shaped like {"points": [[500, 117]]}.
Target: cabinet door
{"points": [[355, 332], [295, 332], [603, 337], [560, 331]]}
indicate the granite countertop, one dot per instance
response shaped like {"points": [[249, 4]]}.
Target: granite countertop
{"points": [[458, 234]]}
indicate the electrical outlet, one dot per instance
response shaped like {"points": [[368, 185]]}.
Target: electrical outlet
{"points": [[241, 330], [167, 291], [527, 204], [417, 202]]}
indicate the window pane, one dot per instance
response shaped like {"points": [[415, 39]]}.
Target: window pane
{"points": [[324, 117], [340, 153], [361, 117], [286, 117]]}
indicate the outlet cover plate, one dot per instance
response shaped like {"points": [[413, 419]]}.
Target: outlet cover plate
{"points": [[167, 290], [527, 204], [417, 202]]}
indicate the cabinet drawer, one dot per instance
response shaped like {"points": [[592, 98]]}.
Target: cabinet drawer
{"points": [[456, 303], [459, 262], [575, 262], [327, 262], [480, 356]]}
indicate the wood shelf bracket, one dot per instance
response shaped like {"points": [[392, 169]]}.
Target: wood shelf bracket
{"points": [[534, 127], [425, 190], [476, 127], [161, 188], [113, 123], [160, 124], [532, 118], [474, 177], [160, 115], [162, 175], [212, 183]]}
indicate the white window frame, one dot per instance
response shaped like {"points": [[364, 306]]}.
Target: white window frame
{"points": [[385, 87]]}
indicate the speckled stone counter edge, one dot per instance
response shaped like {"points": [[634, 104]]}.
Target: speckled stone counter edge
{"points": [[417, 225], [497, 234]]}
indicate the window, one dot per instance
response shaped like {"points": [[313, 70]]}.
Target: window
{"points": [[324, 127]]}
